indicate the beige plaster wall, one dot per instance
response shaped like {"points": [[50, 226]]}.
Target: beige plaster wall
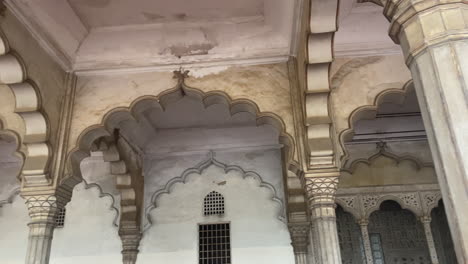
{"points": [[40, 68], [383, 170], [266, 85]]}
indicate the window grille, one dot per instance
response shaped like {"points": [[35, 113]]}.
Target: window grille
{"points": [[60, 218], [214, 244], [213, 204]]}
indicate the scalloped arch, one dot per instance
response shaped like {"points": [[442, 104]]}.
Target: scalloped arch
{"points": [[198, 169], [395, 96], [416, 211], [102, 194], [355, 213], [31, 128], [132, 114], [398, 160]]}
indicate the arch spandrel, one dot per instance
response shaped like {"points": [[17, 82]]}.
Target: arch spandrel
{"points": [[266, 85], [134, 113]]}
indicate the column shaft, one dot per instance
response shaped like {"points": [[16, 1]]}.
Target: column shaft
{"points": [[42, 210], [366, 241], [321, 195], [434, 38], [430, 239]]}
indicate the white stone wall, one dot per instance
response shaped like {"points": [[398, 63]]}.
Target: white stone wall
{"points": [[257, 235], [89, 235], [13, 231]]}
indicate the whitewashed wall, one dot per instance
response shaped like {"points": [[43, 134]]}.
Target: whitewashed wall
{"points": [[14, 231], [89, 235], [257, 235]]}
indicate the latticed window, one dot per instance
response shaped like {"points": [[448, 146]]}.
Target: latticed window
{"points": [[213, 204], [214, 243], [60, 218]]}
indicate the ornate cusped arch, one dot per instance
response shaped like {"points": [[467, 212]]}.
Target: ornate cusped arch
{"points": [[418, 164], [394, 96], [198, 169], [25, 118], [416, 210], [134, 115]]}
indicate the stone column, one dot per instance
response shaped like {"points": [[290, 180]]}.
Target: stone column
{"points": [[426, 220], [433, 35], [363, 224], [130, 236], [42, 210], [300, 240], [321, 189]]}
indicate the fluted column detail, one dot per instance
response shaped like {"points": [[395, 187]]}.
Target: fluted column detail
{"points": [[42, 211], [300, 240], [321, 189], [363, 224], [426, 221], [434, 38]]}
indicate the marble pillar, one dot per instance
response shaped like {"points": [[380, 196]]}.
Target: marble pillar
{"points": [[300, 240], [363, 224], [321, 189], [42, 211], [130, 235], [434, 38], [426, 221]]}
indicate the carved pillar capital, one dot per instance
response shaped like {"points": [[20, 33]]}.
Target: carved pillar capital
{"points": [[42, 210], [321, 189], [417, 25], [299, 236], [130, 236]]}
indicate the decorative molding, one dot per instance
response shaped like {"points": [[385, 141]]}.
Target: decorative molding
{"points": [[321, 190], [321, 147], [382, 152], [299, 232], [198, 169], [33, 142], [419, 199]]}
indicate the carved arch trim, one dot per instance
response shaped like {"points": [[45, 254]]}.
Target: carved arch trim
{"points": [[198, 169], [412, 204], [134, 113], [395, 96]]}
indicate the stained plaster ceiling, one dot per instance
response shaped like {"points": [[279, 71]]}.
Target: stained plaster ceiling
{"points": [[107, 34], [362, 31]]}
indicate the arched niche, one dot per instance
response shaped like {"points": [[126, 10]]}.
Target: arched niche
{"points": [[153, 140], [399, 234], [252, 207], [349, 236]]}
